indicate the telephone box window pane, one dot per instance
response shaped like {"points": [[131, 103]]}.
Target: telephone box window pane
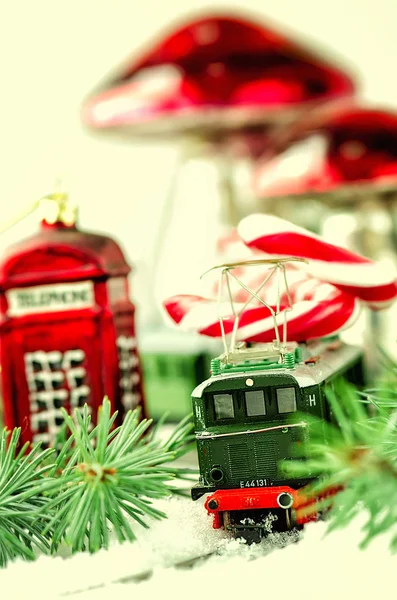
{"points": [[286, 400], [255, 403], [224, 408]]}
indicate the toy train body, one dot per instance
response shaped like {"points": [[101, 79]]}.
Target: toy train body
{"points": [[244, 430]]}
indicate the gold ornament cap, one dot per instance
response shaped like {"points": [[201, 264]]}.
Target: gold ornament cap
{"points": [[57, 208]]}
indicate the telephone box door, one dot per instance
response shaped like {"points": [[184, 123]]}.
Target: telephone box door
{"points": [[54, 363]]}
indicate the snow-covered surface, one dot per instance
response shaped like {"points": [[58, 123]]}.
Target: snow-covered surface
{"points": [[309, 565], [314, 567]]}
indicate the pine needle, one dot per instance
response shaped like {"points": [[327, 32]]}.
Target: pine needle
{"points": [[98, 480], [23, 483], [111, 478], [358, 455]]}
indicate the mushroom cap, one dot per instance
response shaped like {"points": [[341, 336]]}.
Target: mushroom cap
{"points": [[333, 151], [215, 73]]}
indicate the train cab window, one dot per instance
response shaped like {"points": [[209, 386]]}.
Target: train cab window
{"points": [[224, 408], [255, 403], [286, 400]]}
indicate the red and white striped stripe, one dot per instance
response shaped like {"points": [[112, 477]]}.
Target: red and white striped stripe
{"points": [[302, 286], [373, 283], [307, 319], [326, 296]]}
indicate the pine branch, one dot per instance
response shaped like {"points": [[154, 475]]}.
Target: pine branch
{"points": [[24, 479], [358, 456], [101, 478], [112, 475]]}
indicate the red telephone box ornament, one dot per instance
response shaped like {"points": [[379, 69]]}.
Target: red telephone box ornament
{"points": [[67, 331]]}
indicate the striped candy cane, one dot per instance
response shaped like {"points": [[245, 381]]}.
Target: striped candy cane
{"points": [[301, 285], [309, 318], [373, 283]]}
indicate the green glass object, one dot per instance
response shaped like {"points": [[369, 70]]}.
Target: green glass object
{"points": [[173, 363]]}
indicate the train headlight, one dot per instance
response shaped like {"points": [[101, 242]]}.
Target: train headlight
{"points": [[216, 474], [285, 500]]}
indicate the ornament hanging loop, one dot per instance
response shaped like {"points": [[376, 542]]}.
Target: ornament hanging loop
{"points": [[25, 212]]}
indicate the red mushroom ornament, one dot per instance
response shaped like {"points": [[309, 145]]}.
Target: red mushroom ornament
{"points": [[214, 74], [335, 151], [207, 81], [340, 159]]}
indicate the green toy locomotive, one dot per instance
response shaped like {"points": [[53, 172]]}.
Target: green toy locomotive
{"points": [[243, 429], [243, 415]]}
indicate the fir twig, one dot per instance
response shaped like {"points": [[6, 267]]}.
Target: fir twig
{"points": [[101, 478], [111, 475], [23, 482], [358, 457]]}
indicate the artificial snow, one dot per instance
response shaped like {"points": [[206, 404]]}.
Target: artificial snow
{"points": [[305, 565]]}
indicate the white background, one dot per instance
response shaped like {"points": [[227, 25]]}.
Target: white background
{"points": [[54, 52]]}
